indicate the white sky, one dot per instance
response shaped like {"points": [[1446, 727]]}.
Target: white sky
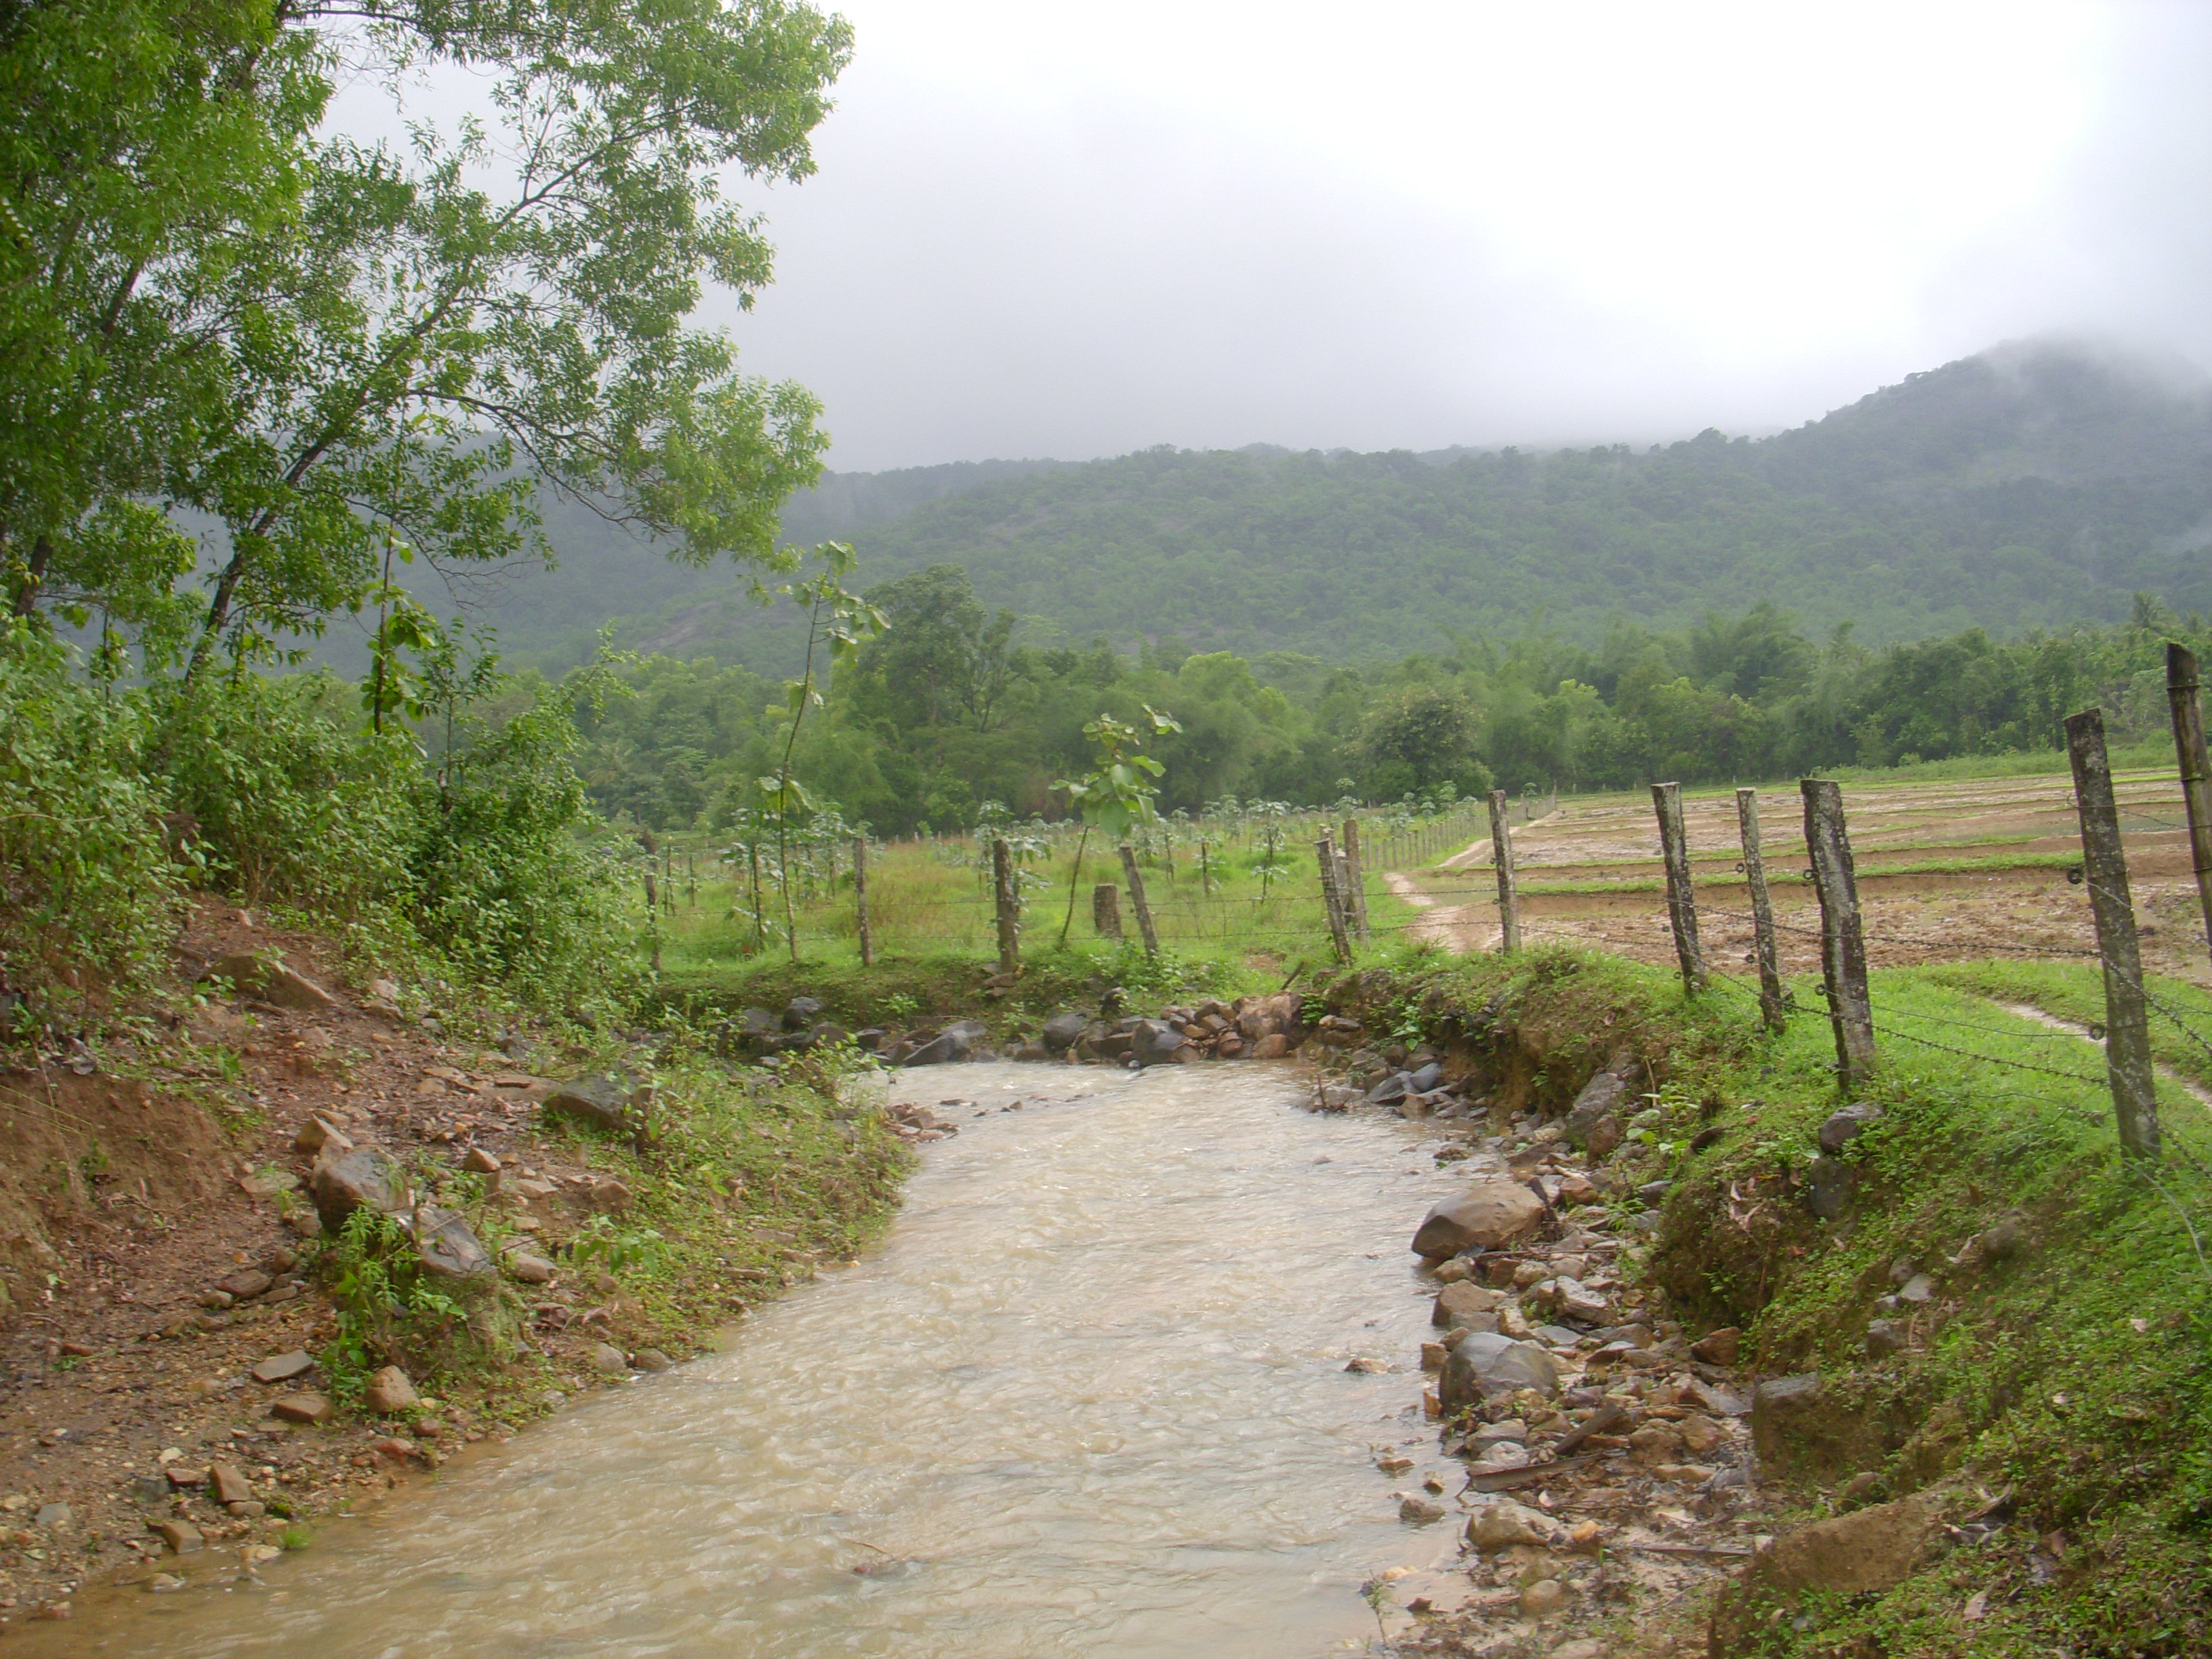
{"points": [[1076, 229]]}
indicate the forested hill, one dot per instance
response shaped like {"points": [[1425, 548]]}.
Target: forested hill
{"points": [[2029, 484]]}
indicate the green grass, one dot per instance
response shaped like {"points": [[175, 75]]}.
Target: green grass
{"points": [[2072, 1375]]}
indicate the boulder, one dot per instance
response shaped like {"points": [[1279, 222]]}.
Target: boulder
{"points": [[1831, 1184], [800, 1013], [447, 1249], [956, 1042], [529, 1269], [271, 981], [1395, 1087], [1155, 1042], [1061, 1031], [1862, 1553], [1503, 1523], [1719, 1347], [389, 1393], [360, 1177], [607, 1103], [1491, 1214], [1274, 1046], [1843, 1126], [1485, 1362], [1424, 1078], [1455, 1301], [1604, 1095], [318, 1132]]}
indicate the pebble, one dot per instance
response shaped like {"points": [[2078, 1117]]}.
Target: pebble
{"points": [[230, 1485], [607, 1359], [1420, 1511], [528, 1268], [182, 1537], [54, 1515], [652, 1359], [481, 1162], [165, 1583]]}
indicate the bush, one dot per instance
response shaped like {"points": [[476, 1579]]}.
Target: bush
{"points": [[88, 893]]}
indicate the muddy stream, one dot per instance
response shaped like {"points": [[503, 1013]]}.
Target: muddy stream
{"points": [[1090, 1396]]}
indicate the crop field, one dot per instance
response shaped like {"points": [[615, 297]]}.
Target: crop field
{"points": [[1948, 870]]}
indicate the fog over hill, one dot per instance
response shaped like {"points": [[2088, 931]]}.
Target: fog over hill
{"points": [[2034, 483]]}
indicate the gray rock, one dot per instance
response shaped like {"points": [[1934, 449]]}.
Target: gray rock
{"points": [[827, 1034], [1918, 1289], [1394, 1087], [1154, 1042], [1493, 1215], [1061, 1031], [1424, 1078], [608, 1359], [1456, 1301], [352, 1180], [446, 1248], [800, 1013], [1604, 1095], [756, 1023], [607, 1103], [282, 1367], [1883, 1339], [1419, 1511], [956, 1042], [652, 1359], [54, 1515], [1652, 1191], [1830, 1185], [272, 982], [1483, 1362], [869, 1040], [528, 1268], [1843, 1127]]}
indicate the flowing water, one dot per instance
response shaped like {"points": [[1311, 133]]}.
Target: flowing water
{"points": [[1089, 1397]]}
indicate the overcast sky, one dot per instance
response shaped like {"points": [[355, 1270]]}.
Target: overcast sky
{"points": [[1076, 229]]}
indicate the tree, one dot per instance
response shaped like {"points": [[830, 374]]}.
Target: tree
{"points": [[147, 147], [1427, 729], [1117, 792], [431, 351]]}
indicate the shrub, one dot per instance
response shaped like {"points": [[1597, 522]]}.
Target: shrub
{"points": [[87, 891]]}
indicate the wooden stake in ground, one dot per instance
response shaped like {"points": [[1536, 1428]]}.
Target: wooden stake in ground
{"points": [[1843, 938], [2196, 773], [860, 900], [1509, 889], [2127, 1021], [1136, 881], [1106, 910], [1681, 904], [1008, 905], [1771, 1013], [1355, 881], [1332, 902]]}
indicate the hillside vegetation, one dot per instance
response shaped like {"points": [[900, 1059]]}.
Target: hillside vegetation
{"points": [[2032, 485]]}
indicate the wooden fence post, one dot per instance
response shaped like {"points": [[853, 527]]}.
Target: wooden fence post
{"points": [[2196, 773], [1681, 904], [1842, 940], [1355, 891], [860, 900], [1008, 905], [1332, 902], [1509, 887], [1772, 1012], [2127, 1021], [1106, 910], [1136, 881]]}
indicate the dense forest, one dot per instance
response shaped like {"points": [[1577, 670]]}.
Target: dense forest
{"points": [[947, 710], [2031, 486]]}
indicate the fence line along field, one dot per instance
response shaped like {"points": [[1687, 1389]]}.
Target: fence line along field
{"points": [[1244, 884], [1949, 870]]}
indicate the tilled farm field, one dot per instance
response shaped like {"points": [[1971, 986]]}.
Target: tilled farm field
{"points": [[1950, 870]]}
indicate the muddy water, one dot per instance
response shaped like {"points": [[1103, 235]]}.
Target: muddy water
{"points": [[1089, 1397]]}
